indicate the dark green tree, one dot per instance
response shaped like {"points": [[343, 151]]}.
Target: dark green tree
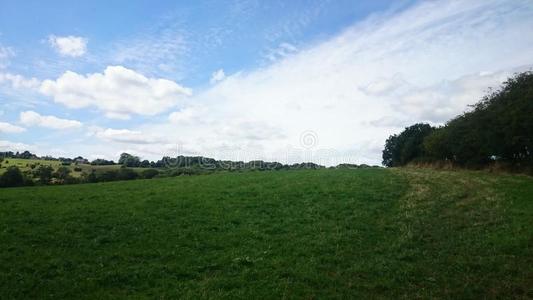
{"points": [[407, 146], [129, 160], [62, 173], [12, 177], [44, 172]]}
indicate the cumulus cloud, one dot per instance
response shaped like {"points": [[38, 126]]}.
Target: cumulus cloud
{"points": [[73, 46], [118, 92], [217, 76], [10, 128], [31, 118]]}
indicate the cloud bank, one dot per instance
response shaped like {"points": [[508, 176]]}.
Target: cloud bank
{"points": [[424, 64]]}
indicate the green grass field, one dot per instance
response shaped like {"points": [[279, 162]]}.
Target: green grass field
{"points": [[378, 233]]}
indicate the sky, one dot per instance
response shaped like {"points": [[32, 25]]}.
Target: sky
{"points": [[288, 81]]}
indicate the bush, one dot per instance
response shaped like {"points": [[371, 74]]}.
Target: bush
{"points": [[126, 174], [44, 172], [109, 175], [149, 173], [71, 180], [62, 173], [12, 177]]}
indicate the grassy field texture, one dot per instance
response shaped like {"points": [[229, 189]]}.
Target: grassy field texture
{"points": [[380, 233]]}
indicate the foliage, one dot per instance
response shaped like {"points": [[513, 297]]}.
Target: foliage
{"points": [[44, 173], [408, 145], [129, 160], [12, 177], [102, 162], [62, 173], [149, 173]]}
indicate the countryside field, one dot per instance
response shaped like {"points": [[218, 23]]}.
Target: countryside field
{"points": [[76, 170], [366, 233]]}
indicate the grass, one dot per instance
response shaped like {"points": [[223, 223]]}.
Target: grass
{"points": [[24, 166], [403, 233]]}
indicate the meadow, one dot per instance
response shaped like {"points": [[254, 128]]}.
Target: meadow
{"points": [[25, 164], [378, 233], [76, 170]]}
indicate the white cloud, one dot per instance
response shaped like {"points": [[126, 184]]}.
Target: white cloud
{"points": [[442, 101], [124, 136], [14, 146], [10, 128], [217, 76], [5, 54], [186, 115], [117, 91], [18, 81], [159, 49], [282, 51], [31, 118], [426, 63], [73, 46]]}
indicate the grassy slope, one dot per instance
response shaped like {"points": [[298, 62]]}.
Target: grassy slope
{"points": [[327, 233], [24, 165]]}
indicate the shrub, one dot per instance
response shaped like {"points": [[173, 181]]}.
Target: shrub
{"points": [[12, 177], [126, 174], [149, 173], [44, 172]]}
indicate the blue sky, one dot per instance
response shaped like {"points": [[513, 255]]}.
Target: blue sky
{"points": [[246, 79]]}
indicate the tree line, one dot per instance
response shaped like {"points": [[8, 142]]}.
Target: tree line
{"points": [[129, 167], [497, 130]]}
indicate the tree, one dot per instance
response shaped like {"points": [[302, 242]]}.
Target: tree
{"points": [[391, 151], [407, 146], [62, 173], [437, 145], [102, 162], [498, 128], [44, 172], [12, 177], [129, 160]]}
